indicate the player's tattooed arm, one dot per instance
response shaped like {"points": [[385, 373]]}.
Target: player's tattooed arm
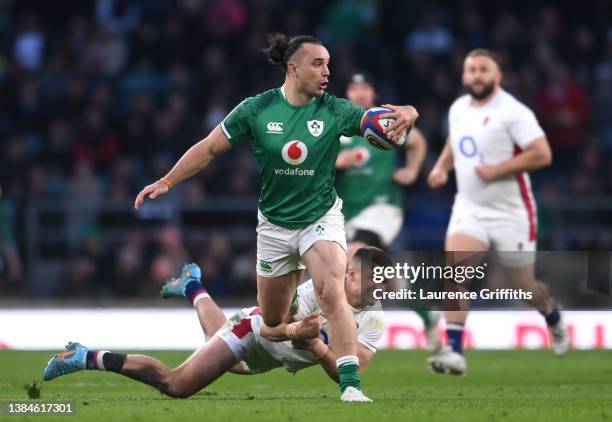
{"points": [[415, 155], [306, 329], [195, 159], [445, 163], [535, 156]]}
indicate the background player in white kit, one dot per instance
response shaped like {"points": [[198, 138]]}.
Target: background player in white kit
{"points": [[244, 344], [494, 140]]}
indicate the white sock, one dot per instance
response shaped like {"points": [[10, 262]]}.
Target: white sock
{"points": [[347, 360]]}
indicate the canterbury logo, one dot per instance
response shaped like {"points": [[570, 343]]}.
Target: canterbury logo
{"points": [[274, 127], [265, 266]]}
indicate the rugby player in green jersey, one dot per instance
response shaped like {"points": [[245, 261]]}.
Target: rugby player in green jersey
{"points": [[294, 132], [369, 183]]}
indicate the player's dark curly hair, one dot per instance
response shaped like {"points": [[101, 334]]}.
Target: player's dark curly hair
{"points": [[372, 256], [281, 47]]}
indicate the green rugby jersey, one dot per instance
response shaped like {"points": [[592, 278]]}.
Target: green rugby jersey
{"points": [[296, 149], [369, 180]]}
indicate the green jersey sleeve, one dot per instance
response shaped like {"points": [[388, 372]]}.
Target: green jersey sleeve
{"points": [[238, 125], [351, 117]]}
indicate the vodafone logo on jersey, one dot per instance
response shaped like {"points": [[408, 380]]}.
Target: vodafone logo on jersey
{"points": [[294, 152]]}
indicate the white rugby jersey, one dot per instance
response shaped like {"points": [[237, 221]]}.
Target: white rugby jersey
{"points": [[370, 328], [491, 134]]}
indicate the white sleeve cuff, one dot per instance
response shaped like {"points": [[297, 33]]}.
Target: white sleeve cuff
{"points": [[225, 132]]}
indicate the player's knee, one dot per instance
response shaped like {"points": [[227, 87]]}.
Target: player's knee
{"points": [[331, 284], [178, 393], [331, 295], [172, 386]]}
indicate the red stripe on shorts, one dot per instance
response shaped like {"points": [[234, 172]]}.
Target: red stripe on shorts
{"points": [[522, 182], [242, 328]]}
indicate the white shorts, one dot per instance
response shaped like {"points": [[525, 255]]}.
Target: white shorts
{"points": [[509, 234], [383, 219], [240, 334], [279, 249]]}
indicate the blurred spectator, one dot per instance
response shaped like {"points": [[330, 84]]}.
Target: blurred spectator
{"points": [[431, 36], [106, 54], [126, 270], [11, 267], [170, 256], [14, 164], [563, 108], [225, 17], [118, 16], [30, 44], [588, 179], [82, 275], [603, 102], [84, 186], [95, 142], [345, 20]]}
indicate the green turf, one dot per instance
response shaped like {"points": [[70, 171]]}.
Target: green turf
{"points": [[501, 386]]}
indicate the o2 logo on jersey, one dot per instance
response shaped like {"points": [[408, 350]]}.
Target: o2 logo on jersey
{"points": [[294, 152], [469, 149], [467, 146]]}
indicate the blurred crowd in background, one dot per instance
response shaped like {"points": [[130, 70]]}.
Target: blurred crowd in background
{"points": [[99, 98]]}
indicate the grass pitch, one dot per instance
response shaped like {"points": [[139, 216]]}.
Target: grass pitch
{"points": [[500, 386]]}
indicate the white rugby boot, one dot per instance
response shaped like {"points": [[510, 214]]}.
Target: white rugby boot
{"points": [[447, 361], [354, 395]]}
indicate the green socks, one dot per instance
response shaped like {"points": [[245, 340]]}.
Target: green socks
{"points": [[348, 370]]}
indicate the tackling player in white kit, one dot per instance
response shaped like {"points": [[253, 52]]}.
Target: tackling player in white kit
{"points": [[494, 140], [244, 344]]}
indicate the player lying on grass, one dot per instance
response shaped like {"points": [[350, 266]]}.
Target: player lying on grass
{"points": [[244, 344]]}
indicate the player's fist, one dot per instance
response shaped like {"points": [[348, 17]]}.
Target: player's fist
{"points": [[437, 177], [345, 159], [405, 176], [309, 327], [151, 191]]}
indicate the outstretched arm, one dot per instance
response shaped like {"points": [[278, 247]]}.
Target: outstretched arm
{"points": [[439, 174], [305, 329], [195, 159]]}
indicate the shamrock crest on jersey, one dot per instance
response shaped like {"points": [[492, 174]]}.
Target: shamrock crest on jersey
{"points": [[315, 127]]}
